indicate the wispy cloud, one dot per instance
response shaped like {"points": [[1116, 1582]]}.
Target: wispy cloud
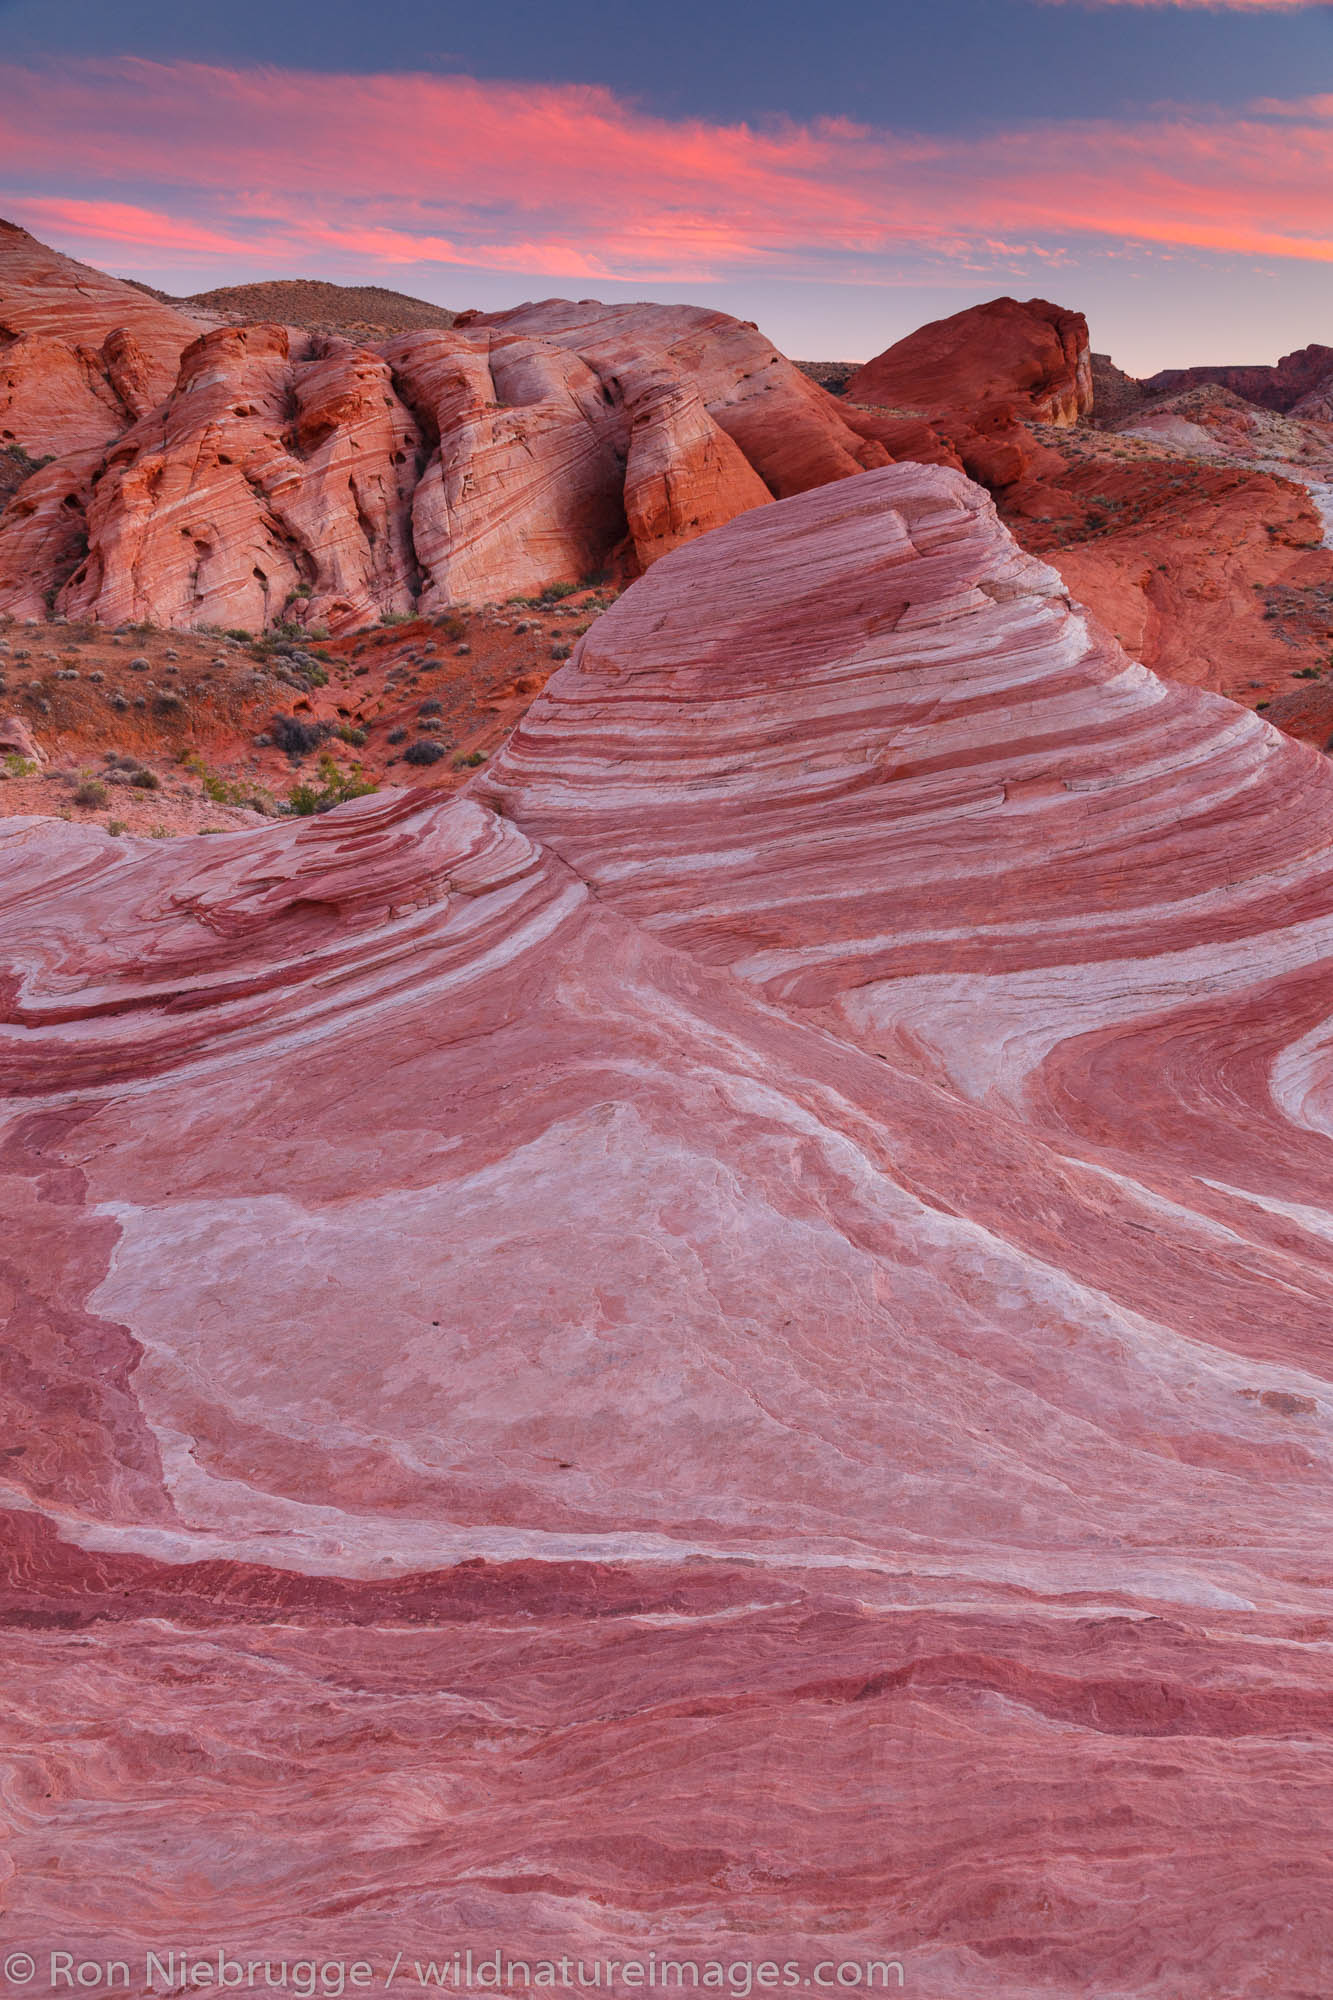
{"points": [[150, 165]]}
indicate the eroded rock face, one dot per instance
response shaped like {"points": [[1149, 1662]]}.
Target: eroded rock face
{"points": [[263, 483], [17, 740], [524, 485], [1031, 355], [684, 474], [281, 474], [793, 433], [691, 1364], [81, 354]]}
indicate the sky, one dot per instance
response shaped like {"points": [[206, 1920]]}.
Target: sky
{"points": [[839, 176]]}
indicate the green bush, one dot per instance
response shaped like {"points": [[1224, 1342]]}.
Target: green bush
{"points": [[336, 788]]}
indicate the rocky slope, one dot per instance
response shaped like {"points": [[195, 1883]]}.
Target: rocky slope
{"points": [[160, 732], [718, 1347], [1212, 568], [363, 312]]}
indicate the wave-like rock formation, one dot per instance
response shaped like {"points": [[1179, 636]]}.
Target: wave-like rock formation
{"points": [[718, 1348], [250, 474]]}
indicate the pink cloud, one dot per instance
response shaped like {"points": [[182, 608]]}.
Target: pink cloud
{"points": [[254, 169]]}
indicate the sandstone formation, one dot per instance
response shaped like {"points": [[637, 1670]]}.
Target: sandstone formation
{"points": [[794, 433], [972, 385], [261, 473], [1032, 356], [718, 1348], [17, 740], [257, 485], [81, 354], [684, 475], [523, 486]]}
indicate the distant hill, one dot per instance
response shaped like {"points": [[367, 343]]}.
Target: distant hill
{"points": [[326, 308]]}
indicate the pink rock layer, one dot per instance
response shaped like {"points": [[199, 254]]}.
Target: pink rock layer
{"points": [[719, 1347]]}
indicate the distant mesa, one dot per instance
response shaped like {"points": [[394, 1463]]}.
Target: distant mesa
{"points": [[1306, 374]]}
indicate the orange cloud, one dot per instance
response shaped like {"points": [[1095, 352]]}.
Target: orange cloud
{"points": [[175, 163]]}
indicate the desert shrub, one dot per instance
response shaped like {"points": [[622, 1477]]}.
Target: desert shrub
{"points": [[334, 789], [452, 626], [297, 738], [348, 733], [222, 791], [423, 751], [92, 792], [471, 761], [147, 781], [396, 736]]}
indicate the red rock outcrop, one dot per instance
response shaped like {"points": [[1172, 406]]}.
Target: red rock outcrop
{"points": [[1030, 355], [81, 354], [730, 1361], [261, 483], [44, 533], [684, 475], [794, 433]]}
